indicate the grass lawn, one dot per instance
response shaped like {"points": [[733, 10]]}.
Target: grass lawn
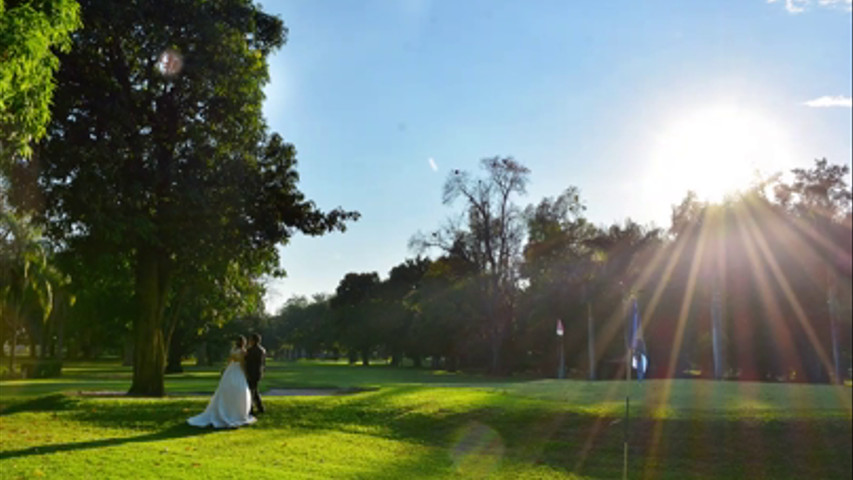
{"points": [[420, 424]]}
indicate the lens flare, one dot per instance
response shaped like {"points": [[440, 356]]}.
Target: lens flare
{"points": [[170, 63], [477, 451]]}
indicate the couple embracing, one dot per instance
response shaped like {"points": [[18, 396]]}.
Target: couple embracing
{"points": [[236, 400]]}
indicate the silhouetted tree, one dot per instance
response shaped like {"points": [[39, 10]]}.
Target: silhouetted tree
{"points": [[491, 239]]}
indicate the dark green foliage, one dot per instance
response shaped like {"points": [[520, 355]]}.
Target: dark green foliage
{"points": [[356, 307], [170, 171], [773, 264], [41, 368]]}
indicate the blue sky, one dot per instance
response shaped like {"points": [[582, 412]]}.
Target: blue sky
{"points": [[383, 98]]}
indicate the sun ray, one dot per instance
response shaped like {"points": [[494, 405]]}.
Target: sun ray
{"points": [[683, 313], [617, 320], [791, 297], [781, 333]]}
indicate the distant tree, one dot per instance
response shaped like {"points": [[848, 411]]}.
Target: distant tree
{"points": [[771, 265], [101, 318], [448, 321], [820, 204], [558, 268], [686, 214], [304, 325], [27, 281], [491, 239], [356, 307], [157, 155], [199, 303], [819, 192], [396, 314], [626, 263]]}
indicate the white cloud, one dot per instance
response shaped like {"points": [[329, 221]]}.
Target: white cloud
{"points": [[830, 101], [432, 164], [800, 6], [846, 4], [796, 6]]}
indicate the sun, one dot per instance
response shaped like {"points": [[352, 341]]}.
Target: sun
{"points": [[716, 151]]}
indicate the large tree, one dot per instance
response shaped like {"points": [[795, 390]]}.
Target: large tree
{"points": [[356, 305], [158, 155], [396, 294], [558, 266], [491, 238], [303, 325], [820, 206]]}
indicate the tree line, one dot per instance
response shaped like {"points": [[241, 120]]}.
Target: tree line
{"points": [[777, 257]]}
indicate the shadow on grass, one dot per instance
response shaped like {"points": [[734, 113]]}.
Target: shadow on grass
{"points": [[546, 434], [176, 431], [49, 403], [529, 432]]}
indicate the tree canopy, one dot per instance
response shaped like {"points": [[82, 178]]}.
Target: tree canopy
{"points": [[157, 154]]}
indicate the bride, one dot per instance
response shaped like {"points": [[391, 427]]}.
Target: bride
{"points": [[230, 404]]}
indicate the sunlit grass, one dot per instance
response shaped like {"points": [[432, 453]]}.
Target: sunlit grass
{"points": [[694, 398], [421, 425]]}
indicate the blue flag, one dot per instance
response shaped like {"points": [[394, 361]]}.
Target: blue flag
{"points": [[637, 345]]}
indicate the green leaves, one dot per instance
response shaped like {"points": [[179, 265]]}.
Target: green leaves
{"points": [[28, 32], [174, 167], [28, 279]]}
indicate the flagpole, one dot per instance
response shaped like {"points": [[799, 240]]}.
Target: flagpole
{"points": [[590, 333], [715, 332], [627, 416], [833, 329], [627, 400], [591, 340], [561, 369]]}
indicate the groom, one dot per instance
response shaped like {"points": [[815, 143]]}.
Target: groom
{"points": [[255, 363]]}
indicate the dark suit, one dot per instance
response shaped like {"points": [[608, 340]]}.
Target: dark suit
{"points": [[256, 360]]}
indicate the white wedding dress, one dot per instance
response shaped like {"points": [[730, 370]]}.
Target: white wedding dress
{"points": [[230, 405]]}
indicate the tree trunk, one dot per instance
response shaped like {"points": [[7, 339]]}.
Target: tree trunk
{"points": [[128, 352], [498, 316], [60, 338], [201, 357], [14, 347], [452, 363], [590, 341], [365, 357], [173, 363], [46, 332], [149, 352], [496, 353]]}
